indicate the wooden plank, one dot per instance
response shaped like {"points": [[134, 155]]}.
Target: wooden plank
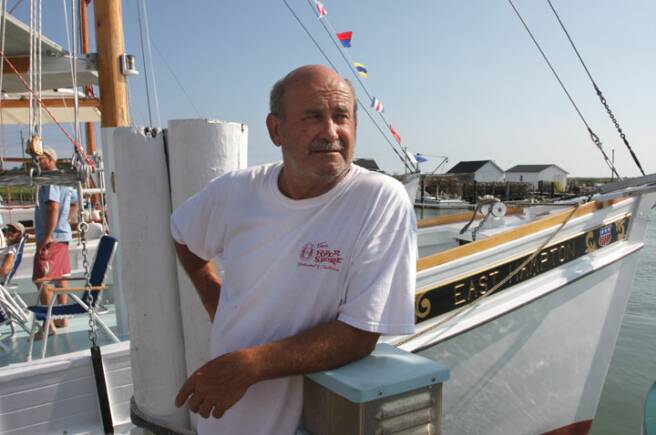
{"points": [[38, 379], [50, 103], [61, 406], [76, 423], [459, 217], [118, 378], [527, 229], [41, 395], [21, 63]]}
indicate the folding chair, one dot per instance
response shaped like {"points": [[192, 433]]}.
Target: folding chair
{"points": [[81, 305], [13, 308]]}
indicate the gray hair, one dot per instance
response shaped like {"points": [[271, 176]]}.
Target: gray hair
{"points": [[278, 92]]}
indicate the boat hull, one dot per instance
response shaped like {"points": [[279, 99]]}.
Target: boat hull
{"points": [[532, 357], [541, 366]]}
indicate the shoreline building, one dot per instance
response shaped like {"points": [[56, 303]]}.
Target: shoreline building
{"points": [[481, 171], [537, 174]]}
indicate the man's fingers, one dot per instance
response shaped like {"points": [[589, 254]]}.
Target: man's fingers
{"points": [[205, 409], [184, 392], [195, 401], [218, 412]]}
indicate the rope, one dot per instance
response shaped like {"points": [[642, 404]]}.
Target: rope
{"points": [[77, 146], [145, 49], [177, 80], [598, 91], [143, 57], [364, 107], [349, 62], [498, 285], [593, 136], [150, 61], [3, 27]]}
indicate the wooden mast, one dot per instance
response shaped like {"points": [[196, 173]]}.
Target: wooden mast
{"points": [[88, 89], [110, 45]]}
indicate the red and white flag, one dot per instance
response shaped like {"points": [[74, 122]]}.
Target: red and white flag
{"points": [[376, 104], [321, 9], [395, 134]]}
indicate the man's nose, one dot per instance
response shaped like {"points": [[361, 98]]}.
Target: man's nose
{"points": [[329, 130]]}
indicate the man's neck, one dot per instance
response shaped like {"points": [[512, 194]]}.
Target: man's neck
{"points": [[302, 189]]}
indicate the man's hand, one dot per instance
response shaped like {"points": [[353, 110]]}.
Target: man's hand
{"points": [[218, 385], [44, 244]]}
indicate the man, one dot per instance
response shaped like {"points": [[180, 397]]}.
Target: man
{"points": [[319, 258], [53, 233], [13, 233]]}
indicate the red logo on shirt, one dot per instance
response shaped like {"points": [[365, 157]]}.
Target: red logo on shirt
{"points": [[320, 256]]}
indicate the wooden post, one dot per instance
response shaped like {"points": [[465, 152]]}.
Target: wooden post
{"points": [[110, 46]]}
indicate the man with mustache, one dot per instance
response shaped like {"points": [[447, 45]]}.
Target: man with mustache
{"points": [[319, 258]]}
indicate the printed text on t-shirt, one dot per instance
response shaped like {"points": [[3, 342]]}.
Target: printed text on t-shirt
{"points": [[320, 256]]}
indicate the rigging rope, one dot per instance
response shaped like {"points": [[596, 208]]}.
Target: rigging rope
{"points": [[593, 136], [145, 49], [89, 161], [349, 62], [598, 91], [3, 27], [72, 61], [497, 286], [177, 80], [364, 107], [143, 57]]}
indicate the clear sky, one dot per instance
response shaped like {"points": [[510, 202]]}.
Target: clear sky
{"points": [[459, 78]]}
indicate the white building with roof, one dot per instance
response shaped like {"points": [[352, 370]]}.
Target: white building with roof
{"points": [[535, 174], [481, 171]]}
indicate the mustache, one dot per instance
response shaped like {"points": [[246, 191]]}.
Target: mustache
{"points": [[324, 145]]}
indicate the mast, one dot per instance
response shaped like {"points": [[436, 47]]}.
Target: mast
{"points": [[88, 89], [110, 45]]}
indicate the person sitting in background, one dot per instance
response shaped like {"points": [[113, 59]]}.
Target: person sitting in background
{"points": [[13, 233]]}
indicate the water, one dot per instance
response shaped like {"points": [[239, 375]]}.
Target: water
{"points": [[633, 367]]}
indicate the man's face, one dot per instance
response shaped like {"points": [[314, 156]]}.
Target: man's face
{"points": [[317, 129], [46, 163]]}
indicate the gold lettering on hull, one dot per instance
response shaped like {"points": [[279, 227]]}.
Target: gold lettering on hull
{"points": [[465, 291], [422, 306]]}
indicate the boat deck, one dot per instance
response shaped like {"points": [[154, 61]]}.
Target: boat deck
{"points": [[72, 338]]}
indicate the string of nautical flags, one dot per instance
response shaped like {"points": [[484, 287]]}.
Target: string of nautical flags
{"points": [[360, 72]]}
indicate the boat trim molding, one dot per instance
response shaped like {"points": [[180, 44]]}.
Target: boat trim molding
{"points": [[514, 234], [458, 293]]}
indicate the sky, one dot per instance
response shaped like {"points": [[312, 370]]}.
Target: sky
{"points": [[458, 78]]}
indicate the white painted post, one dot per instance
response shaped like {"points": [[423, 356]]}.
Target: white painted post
{"points": [[114, 229], [200, 150], [149, 274]]}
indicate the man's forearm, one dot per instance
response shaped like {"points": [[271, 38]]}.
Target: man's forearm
{"points": [[219, 384], [50, 221], [204, 277], [320, 348]]}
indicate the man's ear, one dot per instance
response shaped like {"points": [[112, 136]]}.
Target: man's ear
{"points": [[273, 125]]}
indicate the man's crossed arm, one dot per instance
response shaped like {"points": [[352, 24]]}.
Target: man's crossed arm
{"points": [[219, 384]]}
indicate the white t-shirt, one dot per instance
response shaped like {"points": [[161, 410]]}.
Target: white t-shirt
{"points": [[349, 254], [11, 249]]}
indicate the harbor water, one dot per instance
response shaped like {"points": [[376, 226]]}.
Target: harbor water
{"points": [[633, 367]]}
